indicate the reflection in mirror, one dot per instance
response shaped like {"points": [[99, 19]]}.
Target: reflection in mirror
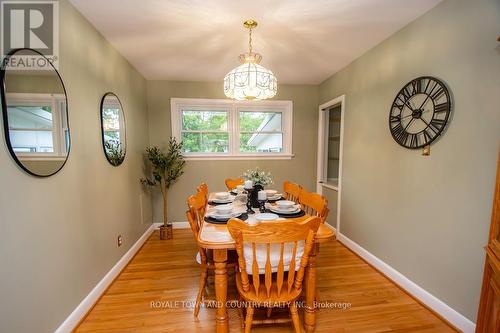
{"points": [[34, 108], [113, 129]]}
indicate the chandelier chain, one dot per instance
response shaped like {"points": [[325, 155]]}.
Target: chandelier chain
{"points": [[250, 40]]}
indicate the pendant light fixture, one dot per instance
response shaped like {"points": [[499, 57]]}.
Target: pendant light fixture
{"points": [[250, 80]]}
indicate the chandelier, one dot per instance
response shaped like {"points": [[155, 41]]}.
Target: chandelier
{"points": [[250, 80]]}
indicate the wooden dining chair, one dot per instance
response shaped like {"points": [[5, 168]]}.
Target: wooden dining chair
{"points": [[291, 191], [314, 204], [272, 259], [203, 188], [195, 214], [232, 183]]}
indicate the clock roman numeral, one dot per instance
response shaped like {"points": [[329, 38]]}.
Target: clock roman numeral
{"points": [[399, 106], [397, 130], [395, 119], [417, 86], [429, 84], [407, 91], [413, 140], [438, 93], [443, 107], [436, 125], [400, 134], [427, 137]]}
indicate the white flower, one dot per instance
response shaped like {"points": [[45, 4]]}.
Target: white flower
{"points": [[258, 177]]}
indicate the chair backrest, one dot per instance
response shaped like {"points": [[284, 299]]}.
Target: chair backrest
{"points": [[278, 234], [314, 204], [204, 189], [291, 191], [197, 205], [232, 183]]}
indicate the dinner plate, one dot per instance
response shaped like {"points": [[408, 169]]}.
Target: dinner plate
{"points": [[300, 213], [209, 219], [275, 209], [276, 197], [266, 217], [222, 201], [226, 217]]}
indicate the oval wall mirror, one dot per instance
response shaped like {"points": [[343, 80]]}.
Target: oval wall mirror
{"points": [[114, 140], [35, 113]]}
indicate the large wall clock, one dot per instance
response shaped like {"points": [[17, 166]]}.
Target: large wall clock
{"points": [[420, 112]]}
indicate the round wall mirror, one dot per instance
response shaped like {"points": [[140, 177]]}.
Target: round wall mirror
{"points": [[114, 140], [35, 112]]}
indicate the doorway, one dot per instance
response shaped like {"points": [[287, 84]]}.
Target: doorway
{"points": [[330, 149]]}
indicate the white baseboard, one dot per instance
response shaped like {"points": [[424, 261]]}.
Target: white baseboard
{"points": [[176, 225], [452, 316], [81, 310], [331, 227]]}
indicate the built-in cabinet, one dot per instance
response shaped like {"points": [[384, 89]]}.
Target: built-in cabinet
{"points": [[488, 318]]}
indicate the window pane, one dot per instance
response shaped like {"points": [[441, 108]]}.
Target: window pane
{"points": [[111, 119], [262, 143], [260, 121], [204, 120], [30, 117], [31, 141], [205, 142]]}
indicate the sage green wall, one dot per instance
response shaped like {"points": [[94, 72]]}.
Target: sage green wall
{"points": [[428, 217], [58, 235], [301, 168]]}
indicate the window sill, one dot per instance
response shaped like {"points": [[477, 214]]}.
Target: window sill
{"points": [[41, 158], [238, 157]]}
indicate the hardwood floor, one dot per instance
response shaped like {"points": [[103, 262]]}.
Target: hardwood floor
{"points": [[165, 271]]}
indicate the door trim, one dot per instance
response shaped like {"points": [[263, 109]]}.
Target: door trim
{"points": [[321, 161]]}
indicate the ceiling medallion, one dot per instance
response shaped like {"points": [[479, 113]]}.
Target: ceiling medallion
{"points": [[250, 80]]}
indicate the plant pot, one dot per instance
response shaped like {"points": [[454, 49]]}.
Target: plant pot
{"points": [[166, 231], [254, 195]]}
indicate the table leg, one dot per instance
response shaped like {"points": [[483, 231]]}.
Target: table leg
{"points": [[310, 285], [220, 261]]}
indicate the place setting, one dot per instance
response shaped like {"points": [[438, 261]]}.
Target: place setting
{"points": [[273, 195], [221, 198], [220, 214], [285, 208]]}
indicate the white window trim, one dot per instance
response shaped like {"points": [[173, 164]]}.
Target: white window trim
{"points": [[177, 105], [58, 130]]}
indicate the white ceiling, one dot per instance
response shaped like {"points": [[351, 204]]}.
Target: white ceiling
{"points": [[301, 41]]}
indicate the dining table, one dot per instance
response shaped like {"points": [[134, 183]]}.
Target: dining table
{"points": [[217, 238]]}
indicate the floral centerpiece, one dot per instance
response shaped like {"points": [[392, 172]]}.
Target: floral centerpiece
{"points": [[259, 179]]}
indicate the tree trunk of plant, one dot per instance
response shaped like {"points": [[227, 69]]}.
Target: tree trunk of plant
{"points": [[166, 231], [165, 201]]}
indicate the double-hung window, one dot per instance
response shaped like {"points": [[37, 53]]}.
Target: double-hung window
{"points": [[226, 129], [36, 125]]}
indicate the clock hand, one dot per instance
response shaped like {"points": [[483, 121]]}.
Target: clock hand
{"points": [[408, 124], [406, 103], [411, 115], [427, 96], [428, 125]]}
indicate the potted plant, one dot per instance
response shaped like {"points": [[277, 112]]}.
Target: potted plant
{"points": [[259, 179], [167, 168]]}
